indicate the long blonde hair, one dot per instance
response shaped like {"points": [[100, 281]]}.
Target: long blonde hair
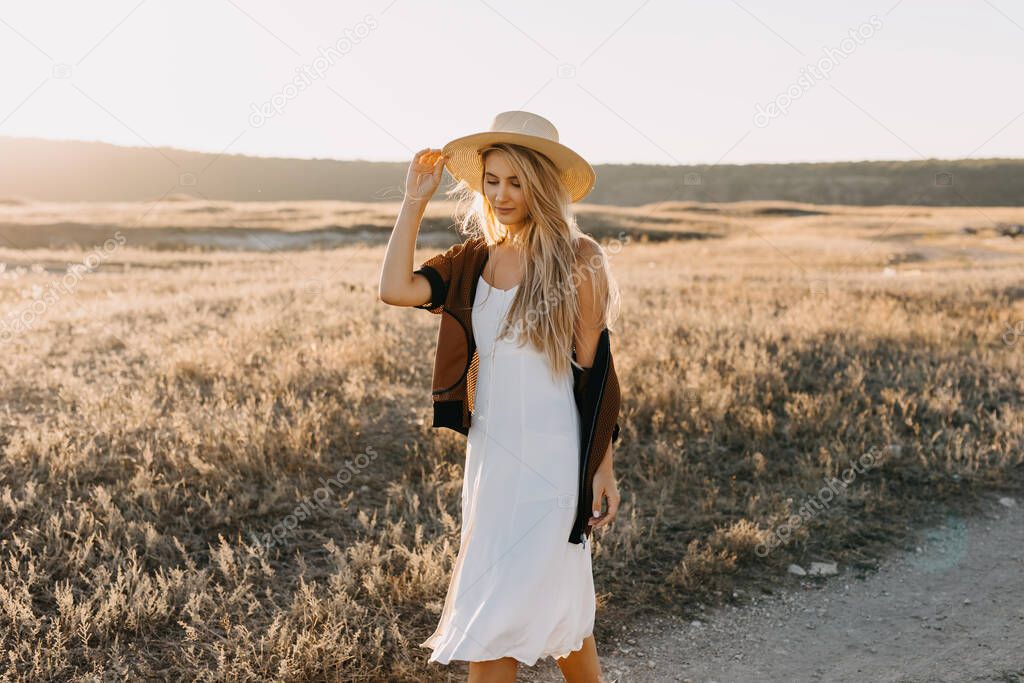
{"points": [[556, 257]]}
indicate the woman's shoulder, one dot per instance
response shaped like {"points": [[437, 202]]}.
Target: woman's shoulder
{"points": [[588, 251], [465, 246]]}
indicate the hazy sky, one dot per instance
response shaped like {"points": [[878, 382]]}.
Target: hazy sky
{"points": [[649, 82]]}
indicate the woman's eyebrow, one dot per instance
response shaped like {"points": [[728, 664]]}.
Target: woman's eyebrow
{"points": [[511, 177]]}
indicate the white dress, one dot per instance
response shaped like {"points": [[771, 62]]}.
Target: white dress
{"points": [[519, 587]]}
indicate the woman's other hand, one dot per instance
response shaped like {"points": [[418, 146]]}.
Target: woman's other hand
{"points": [[605, 488]]}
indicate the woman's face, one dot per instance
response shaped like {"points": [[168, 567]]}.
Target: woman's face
{"points": [[503, 190]]}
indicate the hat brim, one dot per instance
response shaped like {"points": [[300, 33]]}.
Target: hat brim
{"points": [[464, 162]]}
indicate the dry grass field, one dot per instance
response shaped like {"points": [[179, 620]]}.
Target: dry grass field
{"points": [[216, 462]]}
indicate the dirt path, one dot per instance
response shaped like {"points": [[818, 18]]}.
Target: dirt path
{"points": [[952, 610]]}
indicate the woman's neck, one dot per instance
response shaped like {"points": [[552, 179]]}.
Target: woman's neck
{"points": [[513, 236]]}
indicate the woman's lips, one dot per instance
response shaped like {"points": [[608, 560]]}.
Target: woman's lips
{"points": [[504, 210]]}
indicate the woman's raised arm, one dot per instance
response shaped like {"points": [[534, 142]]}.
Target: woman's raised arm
{"points": [[398, 285]]}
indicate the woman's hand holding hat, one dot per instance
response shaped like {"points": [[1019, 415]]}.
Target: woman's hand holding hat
{"points": [[424, 175]]}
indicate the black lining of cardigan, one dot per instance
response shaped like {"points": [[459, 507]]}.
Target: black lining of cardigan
{"points": [[577, 533], [438, 288], [449, 414]]}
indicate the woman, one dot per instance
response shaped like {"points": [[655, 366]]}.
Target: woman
{"points": [[524, 371]]}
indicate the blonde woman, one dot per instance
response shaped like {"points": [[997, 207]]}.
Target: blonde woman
{"points": [[523, 368]]}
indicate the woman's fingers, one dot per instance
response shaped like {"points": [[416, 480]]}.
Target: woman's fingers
{"points": [[598, 519], [613, 508], [427, 155]]}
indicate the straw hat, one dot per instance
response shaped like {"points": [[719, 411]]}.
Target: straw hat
{"points": [[521, 128]]}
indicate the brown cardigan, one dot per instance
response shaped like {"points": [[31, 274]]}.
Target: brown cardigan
{"points": [[453, 276]]}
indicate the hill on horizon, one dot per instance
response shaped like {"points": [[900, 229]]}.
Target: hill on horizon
{"points": [[72, 170]]}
